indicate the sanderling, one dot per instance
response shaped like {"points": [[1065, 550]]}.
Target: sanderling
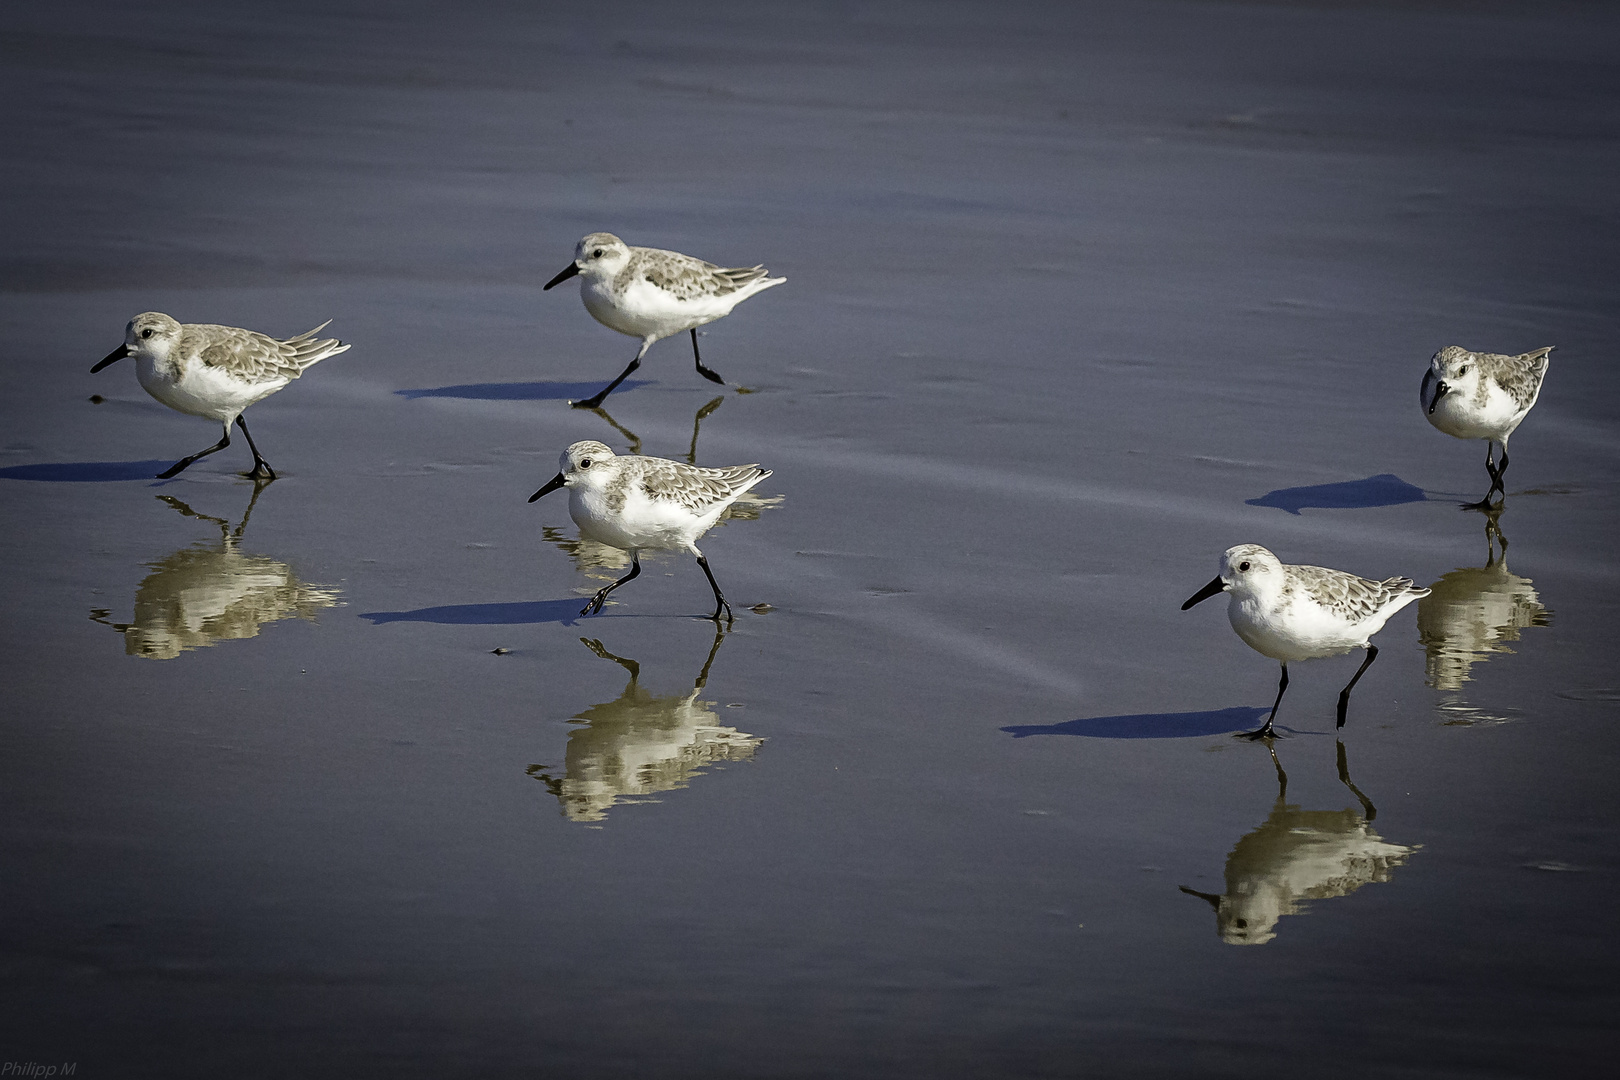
{"points": [[1475, 395], [639, 503], [1303, 612], [651, 294], [215, 372]]}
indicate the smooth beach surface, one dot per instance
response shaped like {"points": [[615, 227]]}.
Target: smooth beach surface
{"points": [[1077, 297]]}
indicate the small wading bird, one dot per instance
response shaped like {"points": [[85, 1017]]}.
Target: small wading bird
{"points": [[215, 372], [651, 294], [1475, 395], [641, 503], [1303, 612]]}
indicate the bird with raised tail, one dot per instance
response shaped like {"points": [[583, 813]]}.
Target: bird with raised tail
{"points": [[1475, 395], [649, 293], [1292, 612], [216, 372], [640, 503]]}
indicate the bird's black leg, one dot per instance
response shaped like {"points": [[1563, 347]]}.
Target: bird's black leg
{"points": [[596, 601], [1495, 471], [1344, 695], [1265, 731], [1499, 480], [595, 402], [712, 376], [261, 468], [719, 601], [185, 463]]}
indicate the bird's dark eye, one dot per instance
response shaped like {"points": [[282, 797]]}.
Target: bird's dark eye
{"points": [[597, 254], [1463, 370], [147, 332], [585, 464], [1243, 566]]}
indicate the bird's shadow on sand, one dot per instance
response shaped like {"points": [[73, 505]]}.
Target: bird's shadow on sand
{"points": [[1185, 725], [86, 472], [517, 613], [1385, 489], [520, 391]]}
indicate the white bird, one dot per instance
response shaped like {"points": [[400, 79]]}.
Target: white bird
{"points": [[652, 294], [641, 503], [1292, 612], [1475, 395], [215, 372]]}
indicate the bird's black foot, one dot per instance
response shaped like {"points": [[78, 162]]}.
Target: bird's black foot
{"points": [[261, 472], [1485, 505], [1266, 732], [596, 602], [712, 376], [590, 402], [723, 606], [174, 470]]}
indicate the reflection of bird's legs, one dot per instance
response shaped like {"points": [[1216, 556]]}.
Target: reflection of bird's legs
{"points": [[1282, 777], [1344, 695], [224, 526], [258, 462], [703, 371], [703, 676], [1494, 537], [185, 463], [629, 665], [1344, 778], [1265, 731], [594, 402], [702, 415], [719, 601], [630, 436], [596, 601], [258, 486]]}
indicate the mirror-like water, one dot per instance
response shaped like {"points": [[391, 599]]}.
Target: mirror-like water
{"points": [[1077, 298]]}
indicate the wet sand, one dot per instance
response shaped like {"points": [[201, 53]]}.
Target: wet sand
{"points": [[1075, 301]]}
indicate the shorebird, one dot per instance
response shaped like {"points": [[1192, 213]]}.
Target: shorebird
{"points": [[1303, 612], [215, 372], [649, 293], [641, 503], [1475, 395]]}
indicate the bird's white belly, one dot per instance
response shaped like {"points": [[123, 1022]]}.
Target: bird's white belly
{"points": [[200, 390], [647, 311], [1463, 417], [640, 524], [1297, 631]]}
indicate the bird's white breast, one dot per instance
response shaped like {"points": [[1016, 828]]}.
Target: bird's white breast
{"points": [[1463, 415], [197, 389]]}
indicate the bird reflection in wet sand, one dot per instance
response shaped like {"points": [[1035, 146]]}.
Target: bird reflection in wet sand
{"points": [[1472, 612], [1296, 856], [213, 591], [641, 744]]}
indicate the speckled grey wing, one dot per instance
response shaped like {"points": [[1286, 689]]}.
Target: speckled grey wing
{"points": [[1519, 376], [259, 357], [685, 277], [696, 489], [1345, 594]]}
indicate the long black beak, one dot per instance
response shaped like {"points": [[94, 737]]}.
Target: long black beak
{"points": [[1440, 391], [112, 358], [551, 485], [573, 268], [1205, 593]]}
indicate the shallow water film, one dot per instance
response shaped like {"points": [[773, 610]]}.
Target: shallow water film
{"points": [[330, 777]]}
